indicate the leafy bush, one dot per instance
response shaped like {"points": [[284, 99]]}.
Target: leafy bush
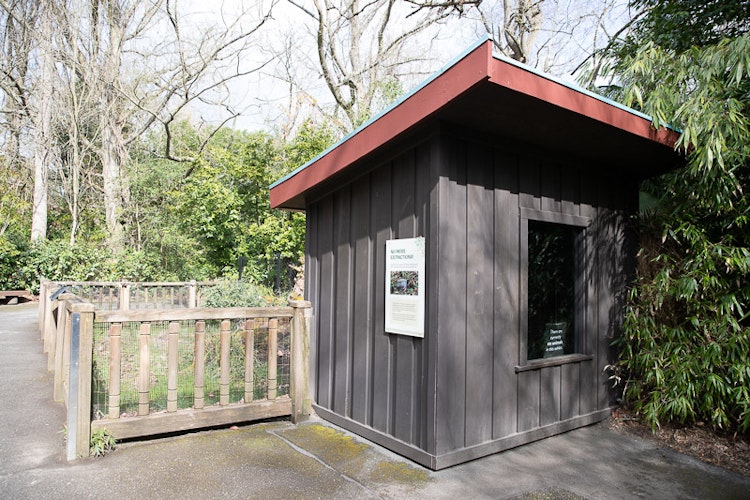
{"points": [[237, 294], [58, 261], [11, 260], [687, 342]]}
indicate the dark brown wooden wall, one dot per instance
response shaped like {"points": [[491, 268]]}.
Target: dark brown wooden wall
{"points": [[361, 372], [459, 386], [481, 394]]}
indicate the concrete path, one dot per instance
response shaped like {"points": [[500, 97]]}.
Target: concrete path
{"points": [[314, 460]]}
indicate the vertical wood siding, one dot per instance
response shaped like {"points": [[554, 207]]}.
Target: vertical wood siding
{"points": [[459, 387], [362, 373], [481, 283]]}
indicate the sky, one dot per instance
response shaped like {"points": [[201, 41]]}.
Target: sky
{"points": [[263, 99]]}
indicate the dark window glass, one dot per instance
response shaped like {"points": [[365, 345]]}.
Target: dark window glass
{"points": [[552, 274]]}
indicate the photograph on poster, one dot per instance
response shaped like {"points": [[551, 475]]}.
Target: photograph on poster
{"points": [[404, 297]]}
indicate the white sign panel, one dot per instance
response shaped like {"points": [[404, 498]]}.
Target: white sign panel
{"points": [[404, 286]]}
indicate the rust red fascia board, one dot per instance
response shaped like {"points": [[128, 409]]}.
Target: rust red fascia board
{"points": [[512, 75], [448, 84]]}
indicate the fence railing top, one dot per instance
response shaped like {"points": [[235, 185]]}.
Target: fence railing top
{"points": [[131, 283], [200, 313]]}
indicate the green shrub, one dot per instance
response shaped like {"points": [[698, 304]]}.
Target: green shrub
{"points": [[237, 294], [686, 342]]}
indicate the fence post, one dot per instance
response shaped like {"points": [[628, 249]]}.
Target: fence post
{"points": [[62, 347], [43, 300], [300, 369], [50, 334], [79, 387], [192, 294], [124, 296]]}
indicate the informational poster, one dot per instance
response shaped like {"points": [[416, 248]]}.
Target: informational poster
{"points": [[404, 286]]}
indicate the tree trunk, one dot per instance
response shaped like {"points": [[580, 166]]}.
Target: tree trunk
{"points": [[43, 137]]}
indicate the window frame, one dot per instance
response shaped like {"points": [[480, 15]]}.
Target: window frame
{"points": [[576, 221]]}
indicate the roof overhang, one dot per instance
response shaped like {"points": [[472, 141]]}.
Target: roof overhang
{"points": [[492, 94]]}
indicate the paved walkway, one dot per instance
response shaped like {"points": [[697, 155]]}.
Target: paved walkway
{"points": [[315, 460]]}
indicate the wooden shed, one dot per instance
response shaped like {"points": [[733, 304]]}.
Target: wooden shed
{"points": [[515, 191]]}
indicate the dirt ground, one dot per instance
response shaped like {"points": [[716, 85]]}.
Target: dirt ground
{"points": [[730, 451]]}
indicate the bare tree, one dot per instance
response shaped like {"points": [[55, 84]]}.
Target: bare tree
{"points": [[362, 46], [15, 48], [552, 35], [112, 70]]}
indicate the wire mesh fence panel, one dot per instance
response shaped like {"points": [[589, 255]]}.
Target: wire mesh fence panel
{"points": [[237, 361], [232, 371], [129, 368], [100, 371], [284, 357], [186, 358], [157, 391], [212, 362], [261, 359]]}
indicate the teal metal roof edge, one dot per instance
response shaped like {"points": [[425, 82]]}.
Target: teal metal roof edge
{"points": [[570, 85], [446, 67], [577, 88], [395, 104]]}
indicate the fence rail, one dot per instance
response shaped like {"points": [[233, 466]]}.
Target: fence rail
{"points": [[145, 372]]}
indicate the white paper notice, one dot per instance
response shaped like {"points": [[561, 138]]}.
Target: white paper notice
{"points": [[404, 286]]}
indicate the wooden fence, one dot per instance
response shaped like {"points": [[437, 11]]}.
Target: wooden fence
{"points": [[99, 356]]}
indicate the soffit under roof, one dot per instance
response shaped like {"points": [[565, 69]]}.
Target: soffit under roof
{"points": [[491, 95]]}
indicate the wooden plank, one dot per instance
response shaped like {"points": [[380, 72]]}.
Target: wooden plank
{"points": [[451, 383], [312, 290], [424, 184], [85, 365], [343, 291], [430, 342], [299, 380], [479, 290], [404, 221], [190, 419], [382, 356], [325, 320], [551, 187], [606, 289], [506, 299], [570, 190], [530, 183], [549, 395], [362, 332], [199, 313], [591, 321], [528, 400], [570, 391]]}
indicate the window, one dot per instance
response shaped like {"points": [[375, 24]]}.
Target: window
{"points": [[554, 278]]}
